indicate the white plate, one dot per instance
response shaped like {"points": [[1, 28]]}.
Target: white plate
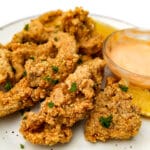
{"points": [[9, 126]]}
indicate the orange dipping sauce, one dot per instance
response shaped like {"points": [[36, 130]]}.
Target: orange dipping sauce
{"points": [[127, 53], [133, 57]]}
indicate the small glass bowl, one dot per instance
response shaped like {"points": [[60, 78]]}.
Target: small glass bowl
{"points": [[136, 35]]}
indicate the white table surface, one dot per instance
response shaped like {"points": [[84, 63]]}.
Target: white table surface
{"points": [[136, 12]]}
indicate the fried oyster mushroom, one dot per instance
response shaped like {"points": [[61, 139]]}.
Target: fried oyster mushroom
{"points": [[6, 71], [41, 75], [113, 117], [69, 102], [75, 22]]}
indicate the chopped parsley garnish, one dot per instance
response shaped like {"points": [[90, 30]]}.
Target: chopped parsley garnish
{"points": [[73, 87], [24, 73], [26, 27], [53, 81], [55, 69], [79, 61], [55, 39], [8, 86], [47, 78], [31, 57], [105, 121], [123, 88], [21, 146], [50, 104]]}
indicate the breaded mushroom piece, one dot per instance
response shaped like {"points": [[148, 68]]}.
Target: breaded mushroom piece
{"points": [[39, 29], [19, 97], [37, 131], [76, 22], [114, 116], [41, 75], [68, 103], [6, 71], [46, 72], [61, 51]]}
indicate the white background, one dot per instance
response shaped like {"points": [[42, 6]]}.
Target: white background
{"points": [[136, 12]]}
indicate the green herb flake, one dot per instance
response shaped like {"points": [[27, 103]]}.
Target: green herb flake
{"points": [[73, 87], [8, 86], [31, 57], [26, 27], [50, 104], [123, 88], [54, 81], [47, 78], [24, 73], [21, 146], [55, 69], [105, 121], [55, 39], [79, 61]]}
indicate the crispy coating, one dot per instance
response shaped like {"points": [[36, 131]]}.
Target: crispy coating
{"points": [[75, 22], [37, 131], [36, 33], [20, 53], [15, 99], [6, 71], [67, 108], [54, 59], [125, 116], [43, 45], [40, 73], [81, 26], [64, 49], [36, 38], [40, 78], [39, 29]]}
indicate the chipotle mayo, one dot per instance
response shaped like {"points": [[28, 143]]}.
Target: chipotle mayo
{"points": [[128, 55], [134, 57]]}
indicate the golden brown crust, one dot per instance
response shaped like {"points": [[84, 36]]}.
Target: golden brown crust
{"points": [[39, 72], [67, 108], [125, 116], [6, 71], [44, 39], [16, 98], [37, 131], [62, 48], [75, 22]]}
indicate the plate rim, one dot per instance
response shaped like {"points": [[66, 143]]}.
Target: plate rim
{"points": [[90, 14]]}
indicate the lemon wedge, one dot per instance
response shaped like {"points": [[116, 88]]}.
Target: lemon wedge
{"points": [[104, 29], [141, 98]]}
